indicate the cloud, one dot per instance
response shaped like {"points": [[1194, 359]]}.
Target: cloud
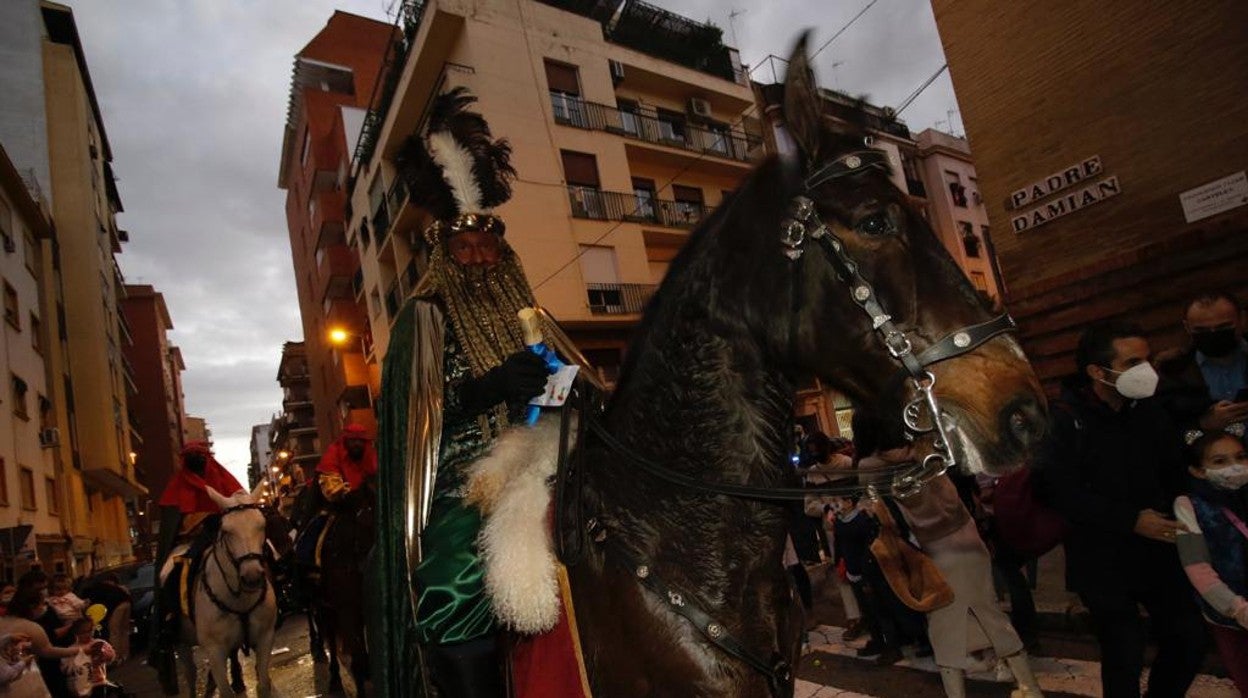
{"points": [[194, 97]]}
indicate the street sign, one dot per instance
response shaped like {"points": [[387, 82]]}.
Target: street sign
{"points": [[1215, 197]]}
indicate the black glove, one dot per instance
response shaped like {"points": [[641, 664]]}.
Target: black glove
{"points": [[520, 378]]}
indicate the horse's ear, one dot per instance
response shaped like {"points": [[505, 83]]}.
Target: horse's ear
{"points": [[802, 104], [217, 498]]}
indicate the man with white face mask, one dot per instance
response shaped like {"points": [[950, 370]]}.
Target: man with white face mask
{"points": [[1111, 465]]}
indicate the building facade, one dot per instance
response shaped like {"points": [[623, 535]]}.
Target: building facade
{"points": [[620, 145], [332, 82], [61, 149], [196, 429], [1112, 162], [31, 499], [157, 406], [293, 436]]}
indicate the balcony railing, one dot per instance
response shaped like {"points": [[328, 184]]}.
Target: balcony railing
{"points": [[572, 111], [617, 206], [618, 299]]}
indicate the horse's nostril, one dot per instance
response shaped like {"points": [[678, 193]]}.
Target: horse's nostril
{"points": [[1025, 422]]}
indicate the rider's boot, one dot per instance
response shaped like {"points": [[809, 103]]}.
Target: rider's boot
{"points": [[1028, 687], [954, 681], [165, 635], [470, 669]]}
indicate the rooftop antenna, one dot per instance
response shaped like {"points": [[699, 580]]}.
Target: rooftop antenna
{"points": [[949, 113], [732, 26], [836, 82]]}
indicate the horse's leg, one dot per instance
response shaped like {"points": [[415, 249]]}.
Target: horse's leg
{"points": [[263, 633], [329, 635], [187, 654], [217, 667], [236, 672]]}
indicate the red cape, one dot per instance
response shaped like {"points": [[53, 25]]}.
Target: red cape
{"points": [[336, 460], [187, 491]]}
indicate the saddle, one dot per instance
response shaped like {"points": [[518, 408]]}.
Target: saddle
{"points": [[179, 564]]}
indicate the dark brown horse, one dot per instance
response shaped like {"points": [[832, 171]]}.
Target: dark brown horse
{"points": [[682, 592], [336, 592]]}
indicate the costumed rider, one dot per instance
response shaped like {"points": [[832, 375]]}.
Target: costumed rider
{"points": [[456, 373], [187, 514], [349, 464]]}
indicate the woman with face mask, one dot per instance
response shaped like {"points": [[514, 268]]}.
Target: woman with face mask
{"points": [[1214, 545]]}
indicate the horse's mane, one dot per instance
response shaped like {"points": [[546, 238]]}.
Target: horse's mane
{"points": [[731, 270]]}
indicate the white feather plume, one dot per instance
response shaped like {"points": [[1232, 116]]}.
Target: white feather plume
{"points": [[456, 163]]}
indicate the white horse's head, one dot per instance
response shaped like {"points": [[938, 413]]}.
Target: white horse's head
{"points": [[242, 536]]}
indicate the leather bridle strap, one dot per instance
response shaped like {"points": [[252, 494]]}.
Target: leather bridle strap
{"points": [[966, 339], [777, 671]]}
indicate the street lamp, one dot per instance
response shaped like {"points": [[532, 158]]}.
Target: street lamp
{"points": [[339, 337]]}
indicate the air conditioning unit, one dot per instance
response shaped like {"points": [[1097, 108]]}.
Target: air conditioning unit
{"points": [[50, 437], [617, 72], [889, 113], [699, 108]]}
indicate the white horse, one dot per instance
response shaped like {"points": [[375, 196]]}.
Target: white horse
{"points": [[234, 603]]}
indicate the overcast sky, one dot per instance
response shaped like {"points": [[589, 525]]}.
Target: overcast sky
{"points": [[194, 98]]}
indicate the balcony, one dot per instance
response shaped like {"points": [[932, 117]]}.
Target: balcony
{"points": [[328, 218], [335, 266], [719, 142], [618, 299], [601, 205]]}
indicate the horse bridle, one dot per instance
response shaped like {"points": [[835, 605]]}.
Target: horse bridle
{"points": [[237, 562], [802, 223]]}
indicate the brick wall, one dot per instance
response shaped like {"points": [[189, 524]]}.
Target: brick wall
{"points": [[1157, 90]]}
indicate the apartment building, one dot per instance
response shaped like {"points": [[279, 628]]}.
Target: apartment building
{"points": [[31, 501], [158, 405], [53, 121], [293, 435], [1112, 161], [626, 128], [261, 453], [331, 84]]}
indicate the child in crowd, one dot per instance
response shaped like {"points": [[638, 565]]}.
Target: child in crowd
{"points": [[86, 672], [66, 603], [15, 658], [1212, 548]]}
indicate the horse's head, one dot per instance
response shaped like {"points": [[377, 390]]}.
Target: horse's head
{"points": [[242, 536], [876, 306]]}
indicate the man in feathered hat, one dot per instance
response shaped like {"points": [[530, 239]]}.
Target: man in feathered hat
{"points": [[455, 374], [186, 514]]}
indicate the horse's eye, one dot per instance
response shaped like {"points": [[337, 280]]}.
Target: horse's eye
{"points": [[875, 225]]}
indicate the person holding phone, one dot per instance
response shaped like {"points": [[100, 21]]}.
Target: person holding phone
{"points": [[1206, 385]]}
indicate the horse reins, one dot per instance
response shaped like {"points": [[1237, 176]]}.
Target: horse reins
{"points": [[802, 223], [237, 562]]}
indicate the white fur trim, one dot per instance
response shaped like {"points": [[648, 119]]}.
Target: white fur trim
{"points": [[456, 164], [515, 542]]}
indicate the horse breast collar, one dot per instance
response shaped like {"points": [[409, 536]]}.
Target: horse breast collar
{"points": [[923, 414], [237, 562]]}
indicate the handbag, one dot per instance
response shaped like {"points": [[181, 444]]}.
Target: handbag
{"points": [[911, 574], [1023, 523]]}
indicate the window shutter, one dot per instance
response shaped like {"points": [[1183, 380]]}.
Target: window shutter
{"points": [[562, 78], [580, 169]]}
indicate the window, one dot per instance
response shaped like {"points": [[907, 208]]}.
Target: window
{"points": [[31, 252], [689, 204], [36, 333], [629, 119], [18, 395], [671, 126], [12, 312], [49, 490], [643, 189], [979, 281], [565, 94], [580, 171], [956, 190], [307, 145], [4, 483], [28, 490], [970, 243], [6, 215]]}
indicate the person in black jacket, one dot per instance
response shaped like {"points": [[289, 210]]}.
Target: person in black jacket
{"points": [[1203, 386], [1112, 466]]}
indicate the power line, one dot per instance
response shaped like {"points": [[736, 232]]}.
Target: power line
{"points": [[927, 83], [848, 24]]}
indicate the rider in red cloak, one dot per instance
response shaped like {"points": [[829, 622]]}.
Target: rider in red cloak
{"points": [[186, 514], [351, 458]]}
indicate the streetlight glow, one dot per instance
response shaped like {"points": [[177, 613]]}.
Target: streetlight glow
{"points": [[339, 336], [283, 454]]}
